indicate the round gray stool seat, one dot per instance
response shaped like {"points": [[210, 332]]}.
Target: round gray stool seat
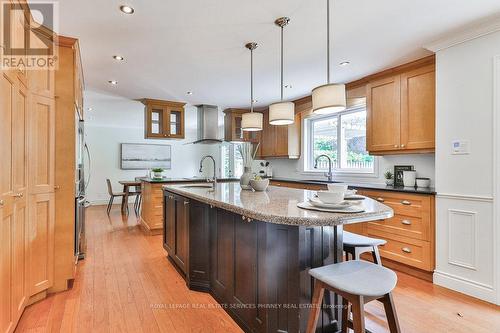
{"points": [[355, 240], [357, 277]]}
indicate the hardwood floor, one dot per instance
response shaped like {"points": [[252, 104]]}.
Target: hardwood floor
{"points": [[126, 284]]}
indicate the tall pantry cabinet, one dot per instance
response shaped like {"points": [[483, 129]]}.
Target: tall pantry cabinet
{"points": [[27, 184]]}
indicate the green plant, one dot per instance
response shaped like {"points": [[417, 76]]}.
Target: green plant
{"points": [[157, 169], [388, 175]]}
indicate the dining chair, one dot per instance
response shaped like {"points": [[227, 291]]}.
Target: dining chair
{"points": [[112, 195], [138, 198]]}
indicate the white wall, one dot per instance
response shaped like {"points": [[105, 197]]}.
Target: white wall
{"points": [[466, 231], [115, 120], [423, 163]]}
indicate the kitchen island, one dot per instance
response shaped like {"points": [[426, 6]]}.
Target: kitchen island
{"points": [[252, 250]]}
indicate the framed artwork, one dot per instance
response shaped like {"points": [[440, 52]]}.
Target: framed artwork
{"points": [[137, 156], [398, 173]]}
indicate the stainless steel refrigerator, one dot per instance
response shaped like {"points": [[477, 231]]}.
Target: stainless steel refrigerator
{"points": [[82, 176]]}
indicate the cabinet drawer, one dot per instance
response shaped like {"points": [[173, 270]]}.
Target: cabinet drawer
{"points": [[409, 251], [408, 226], [403, 203]]}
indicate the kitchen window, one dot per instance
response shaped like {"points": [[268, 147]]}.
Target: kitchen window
{"points": [[231, 160], [342, 137]]}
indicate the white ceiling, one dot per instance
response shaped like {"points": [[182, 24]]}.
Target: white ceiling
{"points": [[171, 47]]}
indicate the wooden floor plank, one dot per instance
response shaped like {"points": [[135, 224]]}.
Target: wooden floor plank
{"points": [[126, 284]]}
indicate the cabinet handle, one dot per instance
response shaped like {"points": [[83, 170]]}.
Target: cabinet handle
{"points": [[406, 249], [2, 202], [396, 146], [380, 199], [406, 202], [406, 222], [18, 195], [57, 187], [249, 219], [402, 146], [243, 218], [186, 202]]}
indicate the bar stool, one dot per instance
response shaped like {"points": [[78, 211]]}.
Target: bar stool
{"points": [[355, 245], [358, 282]]}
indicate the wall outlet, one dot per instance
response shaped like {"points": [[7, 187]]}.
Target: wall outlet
{"points": [[460, 147]]}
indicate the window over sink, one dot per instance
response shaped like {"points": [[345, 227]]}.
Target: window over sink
{"points": [[342, 137]]}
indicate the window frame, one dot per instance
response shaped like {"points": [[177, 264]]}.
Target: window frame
{"points": [[336, 168]]}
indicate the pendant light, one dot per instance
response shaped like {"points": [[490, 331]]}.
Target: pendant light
{"points": [[251, 121], [329, 98], [282, 113]]}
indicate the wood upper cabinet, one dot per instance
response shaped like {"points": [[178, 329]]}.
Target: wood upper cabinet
{"points": [[232, 127], [401, 112], [163, 119], [280, 141], [418, 109], [383, 114]]}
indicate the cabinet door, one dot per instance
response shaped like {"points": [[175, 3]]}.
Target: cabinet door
{"points": [[41, 191], [181, 233], [175, 123], [169, 224], [222, 255], [418, 108], [20, 185], [155, 121], [383, 114], [268, 143], [199, 243], [7, 105], [281, 140]]}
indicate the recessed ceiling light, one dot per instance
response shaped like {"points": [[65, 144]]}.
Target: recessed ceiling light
{"points": [[117, 57], [89, 109], [189, 93], [288, 86], [113, 82], [127, 9], [344, 63], [255, 100]]}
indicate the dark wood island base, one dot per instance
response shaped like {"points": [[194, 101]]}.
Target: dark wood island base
{"points": [[257, 271]]}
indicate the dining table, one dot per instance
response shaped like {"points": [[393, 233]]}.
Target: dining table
{"points": [[127, 184]]}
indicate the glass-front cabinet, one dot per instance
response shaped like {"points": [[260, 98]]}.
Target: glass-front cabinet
{"points": [[163, 119]]}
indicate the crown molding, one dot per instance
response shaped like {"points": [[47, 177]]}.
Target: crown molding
{"points": [[466, 33]]}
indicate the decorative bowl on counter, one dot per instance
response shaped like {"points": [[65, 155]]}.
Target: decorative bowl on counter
{"points": [[259, 184]]}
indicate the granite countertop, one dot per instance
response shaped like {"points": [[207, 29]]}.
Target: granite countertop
{"points": [[183, 180], [277, 205], [368, 186]]}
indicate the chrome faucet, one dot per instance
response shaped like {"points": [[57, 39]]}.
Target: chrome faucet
{"points": [[214, 181], [328, 174]]}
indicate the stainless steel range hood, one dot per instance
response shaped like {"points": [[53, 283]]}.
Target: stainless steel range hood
{"points": [[208, 124]]}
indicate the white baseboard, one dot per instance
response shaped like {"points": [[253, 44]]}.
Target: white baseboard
{"points": [[465, 286]]}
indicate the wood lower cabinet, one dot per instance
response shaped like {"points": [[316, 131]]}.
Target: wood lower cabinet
{"points": [[410, 234], [152, 208], [176, 230]]}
